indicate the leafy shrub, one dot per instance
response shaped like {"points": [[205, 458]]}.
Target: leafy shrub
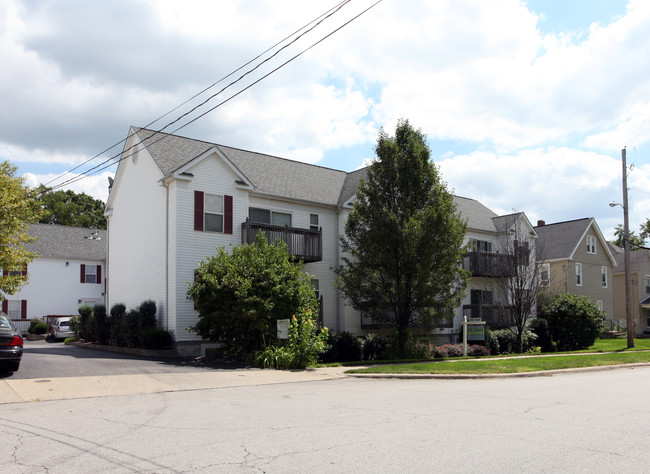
{"points": [[574, 321], [440, 352], [242, 292], [454, 350], [147, 310], [156, 338], [343, 347], [85, 312], [477, 350], [507, 340], [377, 347], [75, 325], [37, 326], [131, 334], [102, 326], [491, 341], [305, 343], [539, 327], [116, 323]]}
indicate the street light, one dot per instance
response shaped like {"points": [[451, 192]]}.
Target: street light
{"points": [[626, 250]]}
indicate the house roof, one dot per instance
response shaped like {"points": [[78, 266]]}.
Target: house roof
{"points": [[637, 258], [561, 239], [269, 174], [59, 241], [286, 178]]}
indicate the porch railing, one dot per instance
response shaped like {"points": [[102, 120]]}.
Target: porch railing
{"points": [[489, 264], [304, 244]]}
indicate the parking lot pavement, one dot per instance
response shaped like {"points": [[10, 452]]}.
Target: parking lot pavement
{"points": [[43, 389]]}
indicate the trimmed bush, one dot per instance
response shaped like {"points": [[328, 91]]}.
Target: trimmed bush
{"points": [[147, 312], [539, 327], [102, 324], [116, 323], [377, 347], [343, 347], [574, 321], [85, 312], [156, 338], [131, 328], [477, 350], [37, 326]]}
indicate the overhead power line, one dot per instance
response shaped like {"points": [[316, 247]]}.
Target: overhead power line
{"points": [[315, 22]]}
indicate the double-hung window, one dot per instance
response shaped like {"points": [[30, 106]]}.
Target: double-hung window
{"points": [[212, 212], [578, 274], [545, 274], [480, 245], [647, 285], [591, 244], [91, 273], [603, 276], [313, 221], [15, 309]]}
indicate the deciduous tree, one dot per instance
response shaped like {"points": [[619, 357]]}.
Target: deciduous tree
{"points": [[69, 208], [403, 243], [18, 207]]}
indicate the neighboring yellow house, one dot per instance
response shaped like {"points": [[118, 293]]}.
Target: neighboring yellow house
{"points": [[576, 258], [640, 273]]}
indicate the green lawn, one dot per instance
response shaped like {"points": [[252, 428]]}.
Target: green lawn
{"points": [[620, 355]]}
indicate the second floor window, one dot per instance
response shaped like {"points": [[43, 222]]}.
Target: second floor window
{"points": [[647, 285], [477, 245], [578, 274], [591, 244], [213, 212], [545, 274], [266, 216], [603, 274], [313, 221]]}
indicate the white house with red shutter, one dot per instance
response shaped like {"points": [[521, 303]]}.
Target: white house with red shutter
{"points": [[174, 200], [67, 273]]}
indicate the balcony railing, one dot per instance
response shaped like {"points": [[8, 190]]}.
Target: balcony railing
{"points": [[304, 244], [495, 316], [489, 264]]}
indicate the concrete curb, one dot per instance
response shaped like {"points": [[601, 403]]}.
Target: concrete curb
{"points": [[541, 373]]}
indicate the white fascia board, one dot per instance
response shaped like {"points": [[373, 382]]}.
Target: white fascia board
{"points": [[178, 174]]}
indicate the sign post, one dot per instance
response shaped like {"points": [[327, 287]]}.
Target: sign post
{"points": [[476, 329]]}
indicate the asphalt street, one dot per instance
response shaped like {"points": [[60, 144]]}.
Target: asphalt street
{"points": [[266, 421]]}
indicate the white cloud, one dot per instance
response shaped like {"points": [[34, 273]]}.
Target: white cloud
{"points": [[95, 186]]}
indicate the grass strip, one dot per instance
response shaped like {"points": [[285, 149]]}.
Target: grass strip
{"points": [[512, 365]]}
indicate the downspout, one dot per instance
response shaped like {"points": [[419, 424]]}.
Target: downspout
{"points": [[338, 263], [166, 256]]}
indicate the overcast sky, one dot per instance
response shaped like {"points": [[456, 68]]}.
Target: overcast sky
{"points": [[526, 105]]}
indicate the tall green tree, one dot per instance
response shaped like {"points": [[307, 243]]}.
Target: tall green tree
{"points": [[18, 207], [69, 208], [644, 232], [635, 241], [403, 241]]}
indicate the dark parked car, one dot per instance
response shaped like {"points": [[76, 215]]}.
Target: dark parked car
{"points": [[11, 345]]}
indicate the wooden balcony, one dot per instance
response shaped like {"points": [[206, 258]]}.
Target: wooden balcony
{"points": [[489, 264], [304, 244]]}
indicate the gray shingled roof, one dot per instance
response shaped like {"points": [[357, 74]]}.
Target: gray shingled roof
{"points": [[287, 178], [269, 174], [59, 241], [559, 240], [637, 258]]}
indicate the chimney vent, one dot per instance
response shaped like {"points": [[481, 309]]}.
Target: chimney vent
{"points": [[541, 223]]}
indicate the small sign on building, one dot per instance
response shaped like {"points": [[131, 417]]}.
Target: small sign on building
{"points": [[283, 328]]}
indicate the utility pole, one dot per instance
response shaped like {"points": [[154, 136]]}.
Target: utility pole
{"points": [[626, 241]]}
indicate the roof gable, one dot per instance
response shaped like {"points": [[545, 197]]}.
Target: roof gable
{"points": [[561, 240]]}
